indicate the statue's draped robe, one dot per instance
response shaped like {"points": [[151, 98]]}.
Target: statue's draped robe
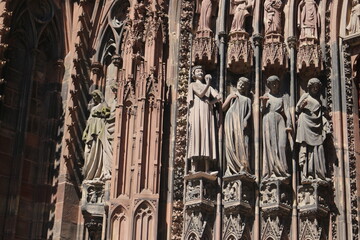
{"points": [[236, 135], [311, 130], [272, 16], [108, 137], [309, 19], [202, 135], [205, 15], [92, 136], [275, 137], [354, 23]]}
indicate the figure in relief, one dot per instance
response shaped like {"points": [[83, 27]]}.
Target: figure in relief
{"points": [[308, 19], [201, 99], [205, 9], [354, 23], [93, 137], [311, 133], [276, 128], [109, 134], [238, 112], [241, 9], [272, 16]]}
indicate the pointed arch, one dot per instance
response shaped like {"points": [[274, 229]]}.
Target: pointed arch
{"points": [[119, 224], [144, 222]]}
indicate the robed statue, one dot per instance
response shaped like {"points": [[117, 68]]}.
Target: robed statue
{"points": [[312, 128], [202, 141], [276, 131], [237, 119]]}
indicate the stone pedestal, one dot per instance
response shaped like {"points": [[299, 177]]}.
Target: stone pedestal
{"points": [[239, 53], [204, 49], [93, 208], [238, 202], [200, 205], [313, 210], [275, 203]]}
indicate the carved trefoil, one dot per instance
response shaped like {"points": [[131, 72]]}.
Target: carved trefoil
{"points": [[313, 211], [275, 203]]}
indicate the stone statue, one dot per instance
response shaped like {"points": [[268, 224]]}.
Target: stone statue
{"points": [[202, 133], [276, 127], [93, 137], [241, 9], [312, 128], [205, 9], [272, 16], [354, 23], [109, 134], [308, 19], [238, 107]]}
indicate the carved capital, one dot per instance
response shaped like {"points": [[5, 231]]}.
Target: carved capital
{"points": [[257, 39], [96, 68], [117, 60], [292, 41]]}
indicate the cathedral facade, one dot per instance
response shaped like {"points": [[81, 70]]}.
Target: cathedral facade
{"points": [[179, 119]]}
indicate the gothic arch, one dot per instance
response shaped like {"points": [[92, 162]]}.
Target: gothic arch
{"points": [[144, 221], [119, 224]]}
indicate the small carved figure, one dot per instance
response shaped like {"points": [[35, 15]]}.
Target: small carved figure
{"points": [[354, 22], [92, 195], [306, 197], [276, 127], [272, 16], [205, 9], [193, 192], [308, 19], [241, 9], [231, 191], [93, 137], [238, 107], [311, 132], [268, 195], [201, 100]]}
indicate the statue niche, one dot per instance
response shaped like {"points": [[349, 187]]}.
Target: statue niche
{"points": [[239, 48], [238, 112], [94, 138], [276, 130], [202, 133], [204, 46], [312, 127]]}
